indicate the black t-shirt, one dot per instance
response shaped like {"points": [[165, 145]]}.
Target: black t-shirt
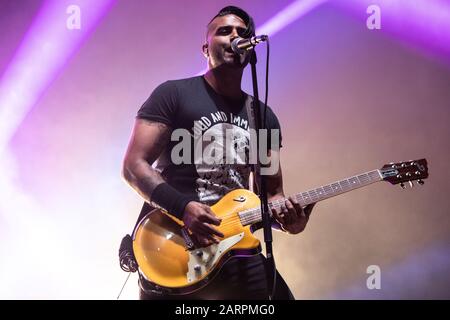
{"points": [[212, 128], [217, 127]]}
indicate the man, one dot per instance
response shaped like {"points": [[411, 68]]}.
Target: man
{"points": [[213, 103]]}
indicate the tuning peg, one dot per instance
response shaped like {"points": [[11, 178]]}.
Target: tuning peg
{"points": [[420, 181], [411, 184], [402, 185]]}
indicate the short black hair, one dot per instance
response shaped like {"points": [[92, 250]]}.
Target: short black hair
{"points": [[248, 20]]}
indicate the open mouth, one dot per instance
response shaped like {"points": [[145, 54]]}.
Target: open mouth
{"points": [[229, 50]]}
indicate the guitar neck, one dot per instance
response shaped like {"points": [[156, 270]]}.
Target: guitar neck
{"points": [[318, 194]]}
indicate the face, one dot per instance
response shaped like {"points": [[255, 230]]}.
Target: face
{"points": [[221, 32]]}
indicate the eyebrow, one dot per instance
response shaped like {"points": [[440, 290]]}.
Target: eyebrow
{"points": [[240, 29], [211, 29]]}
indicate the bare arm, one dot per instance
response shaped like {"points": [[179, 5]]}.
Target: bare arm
{"points": [[147, 141]]}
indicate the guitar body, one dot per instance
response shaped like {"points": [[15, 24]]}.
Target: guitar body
{"points": [[167, 261]]}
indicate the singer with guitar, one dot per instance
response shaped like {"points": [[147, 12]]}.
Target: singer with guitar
{"points": [[216, 102]]}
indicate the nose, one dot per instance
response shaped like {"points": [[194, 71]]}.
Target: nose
{"points": [[234, 34]]}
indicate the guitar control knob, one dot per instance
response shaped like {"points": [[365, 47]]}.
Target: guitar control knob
{"points": [[420, 182]]}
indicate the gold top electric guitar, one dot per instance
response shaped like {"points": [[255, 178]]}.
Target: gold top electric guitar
{"points": [[170, 262]]}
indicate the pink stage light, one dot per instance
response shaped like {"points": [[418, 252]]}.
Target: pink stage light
{"points": [[288, 15], [424, 22], [44, 51]]}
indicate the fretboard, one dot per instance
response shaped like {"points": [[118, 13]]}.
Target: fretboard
{"points": [[318, 194]]}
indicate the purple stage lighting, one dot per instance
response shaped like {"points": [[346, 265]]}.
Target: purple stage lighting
{"points": [[56, 33]]}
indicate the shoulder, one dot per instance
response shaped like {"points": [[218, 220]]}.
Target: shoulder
{"points": [[176, 88], [179, 84]]}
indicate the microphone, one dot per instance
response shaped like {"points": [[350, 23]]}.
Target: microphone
{"points": [[240, 45]]}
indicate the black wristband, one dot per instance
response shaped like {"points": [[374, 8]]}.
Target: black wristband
{"points": [[171, 199]]}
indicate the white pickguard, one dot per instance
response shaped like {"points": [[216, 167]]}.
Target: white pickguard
{"points": [[202, 260]]}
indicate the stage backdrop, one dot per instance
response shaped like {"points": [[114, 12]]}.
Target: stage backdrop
{"points": [[354, 87]]}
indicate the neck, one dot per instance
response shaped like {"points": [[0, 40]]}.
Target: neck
{"points": [[253, 215], [225, 81]]}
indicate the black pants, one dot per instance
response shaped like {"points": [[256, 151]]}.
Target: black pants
{"points": [[241, 278]]}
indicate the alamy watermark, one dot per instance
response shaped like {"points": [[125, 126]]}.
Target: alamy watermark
{"points": [[373, 22], [73, 21], [374, 280], [226, 146]]}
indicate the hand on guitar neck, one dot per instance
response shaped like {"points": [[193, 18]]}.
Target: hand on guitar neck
{"points": [[290, 215]]}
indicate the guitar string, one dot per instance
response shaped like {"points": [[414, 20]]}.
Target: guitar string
{"points": [[249, 216], [235, 218], [314, 195], [273, 205], [255, 212]]}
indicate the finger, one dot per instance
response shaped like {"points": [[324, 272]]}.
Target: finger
{"points": [[297, 206], [206, 242], [290, 212], [203, 242], [283, 211], [308, 208], [198, 229], [211, 230], [293, 200], [277, 216], [205, 235], [210, 217], [197, 240], [274, 212], [289, 205]]}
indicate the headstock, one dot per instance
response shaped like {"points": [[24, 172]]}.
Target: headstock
{"points": [[407, 171]]}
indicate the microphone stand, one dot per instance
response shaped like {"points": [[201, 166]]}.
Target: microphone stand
{"points": [[262, 187]]}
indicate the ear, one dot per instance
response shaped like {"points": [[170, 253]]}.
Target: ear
{"points": [[205, 50]]}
